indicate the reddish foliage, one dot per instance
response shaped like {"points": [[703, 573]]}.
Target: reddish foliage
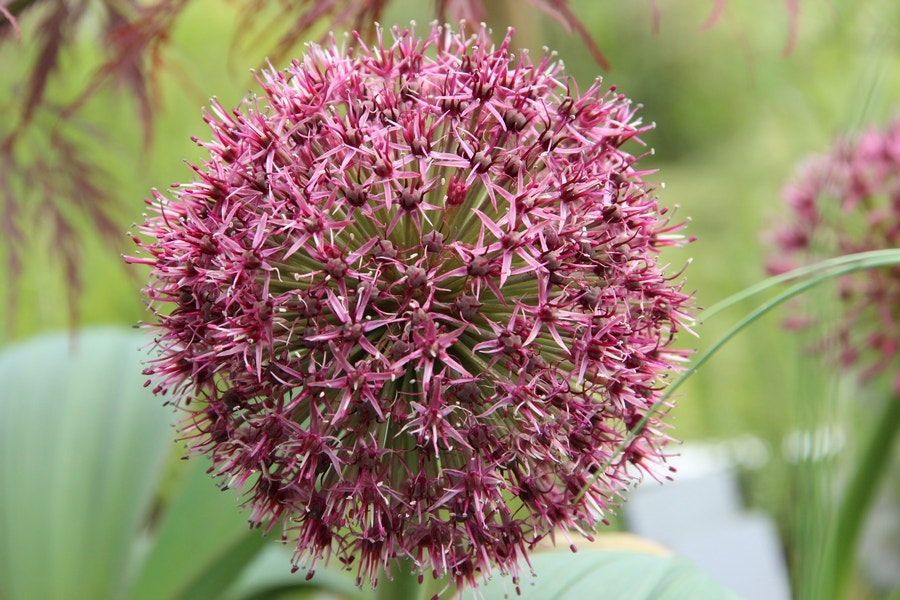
{"points": [[10, 22], [78, 197]]}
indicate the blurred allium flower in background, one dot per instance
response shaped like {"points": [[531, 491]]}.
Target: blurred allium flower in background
{"points": [[413, 304], [844, 202]]}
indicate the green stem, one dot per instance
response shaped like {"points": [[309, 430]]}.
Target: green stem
{"points": [[403, 585], [875, 459], [859, 261]]}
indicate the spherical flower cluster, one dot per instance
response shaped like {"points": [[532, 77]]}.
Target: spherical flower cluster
{"points": [[845, 202], [413, 304]]}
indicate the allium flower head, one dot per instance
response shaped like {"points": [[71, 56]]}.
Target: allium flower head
{"points": [[845, 202], [413, 303]]}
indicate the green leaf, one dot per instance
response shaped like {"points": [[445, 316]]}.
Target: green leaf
{"points": [[202, 543], [82, 447], [608, 574], [269, 576], [222, 571]]}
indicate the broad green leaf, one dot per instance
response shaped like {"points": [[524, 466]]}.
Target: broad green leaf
{"points": [[269, 576], [202, 542], [561, 575], [82, 447], [608, 574], [203, 548], [224, 568]]}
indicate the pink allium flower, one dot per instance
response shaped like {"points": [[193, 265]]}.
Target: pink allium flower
{"points": [[413, 303], [845, 202]]}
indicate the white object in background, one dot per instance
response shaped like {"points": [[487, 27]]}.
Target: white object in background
{"points": [[700, 517]]}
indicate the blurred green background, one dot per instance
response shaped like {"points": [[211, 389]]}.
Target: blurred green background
{"points": [[734, 113]]}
